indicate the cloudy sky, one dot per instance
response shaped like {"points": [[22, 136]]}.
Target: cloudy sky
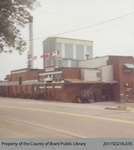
{"points": [[109, 23]]}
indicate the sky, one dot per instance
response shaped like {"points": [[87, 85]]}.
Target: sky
{"points": [[95, 20]]}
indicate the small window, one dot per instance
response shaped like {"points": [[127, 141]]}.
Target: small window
{"points": [[98, 74], [127, 71], [128, 68], [58, 77], [20, 81]]}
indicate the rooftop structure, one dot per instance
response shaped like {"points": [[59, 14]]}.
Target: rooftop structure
{"points": [[69, 51]]}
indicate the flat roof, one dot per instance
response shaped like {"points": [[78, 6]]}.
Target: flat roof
{"points": [[23, 69], [66, 38], [98, 57], [78, 81]]}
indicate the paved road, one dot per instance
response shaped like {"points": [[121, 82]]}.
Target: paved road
{"points": [[24, 118]]}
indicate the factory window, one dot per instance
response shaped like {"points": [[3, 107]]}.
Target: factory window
{"points": [[74, 63], [20, 81], [128, 68], [98, 74], [68, 51], [79, 52], [59, 63], [50, 76], [89, 51], [127, 71], [57, 77], [64, 63], [42, 79]]}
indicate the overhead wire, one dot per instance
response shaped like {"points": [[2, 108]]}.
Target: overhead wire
{"points": [[98, 23], [89, 26]]}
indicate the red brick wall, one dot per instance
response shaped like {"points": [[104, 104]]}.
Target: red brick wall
{"points": [[68, 93], [28, 75], [71, 73], [122, 78], [23, 90]]}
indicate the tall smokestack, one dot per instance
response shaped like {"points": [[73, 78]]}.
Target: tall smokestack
{"points": [[30, 52]]}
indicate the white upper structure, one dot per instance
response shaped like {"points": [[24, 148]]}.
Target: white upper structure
{"points": [[96, 69], [71, 51]]}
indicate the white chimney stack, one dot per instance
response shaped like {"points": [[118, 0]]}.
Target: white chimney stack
{"points": [[30, 52]]}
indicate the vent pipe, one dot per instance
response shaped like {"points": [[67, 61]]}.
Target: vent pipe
{"points": [[87, 56]]}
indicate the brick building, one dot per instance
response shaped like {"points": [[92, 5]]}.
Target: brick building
{"points": [[74, 74], [123, 68], [66, 84], [119, 69], [23, 82], [101, 78], [105, 78]]}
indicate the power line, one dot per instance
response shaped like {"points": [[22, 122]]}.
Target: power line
{"points": [[90, 26], [97, 24]]}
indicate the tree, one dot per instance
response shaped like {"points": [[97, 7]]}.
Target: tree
{"points": [[13, 14]]}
